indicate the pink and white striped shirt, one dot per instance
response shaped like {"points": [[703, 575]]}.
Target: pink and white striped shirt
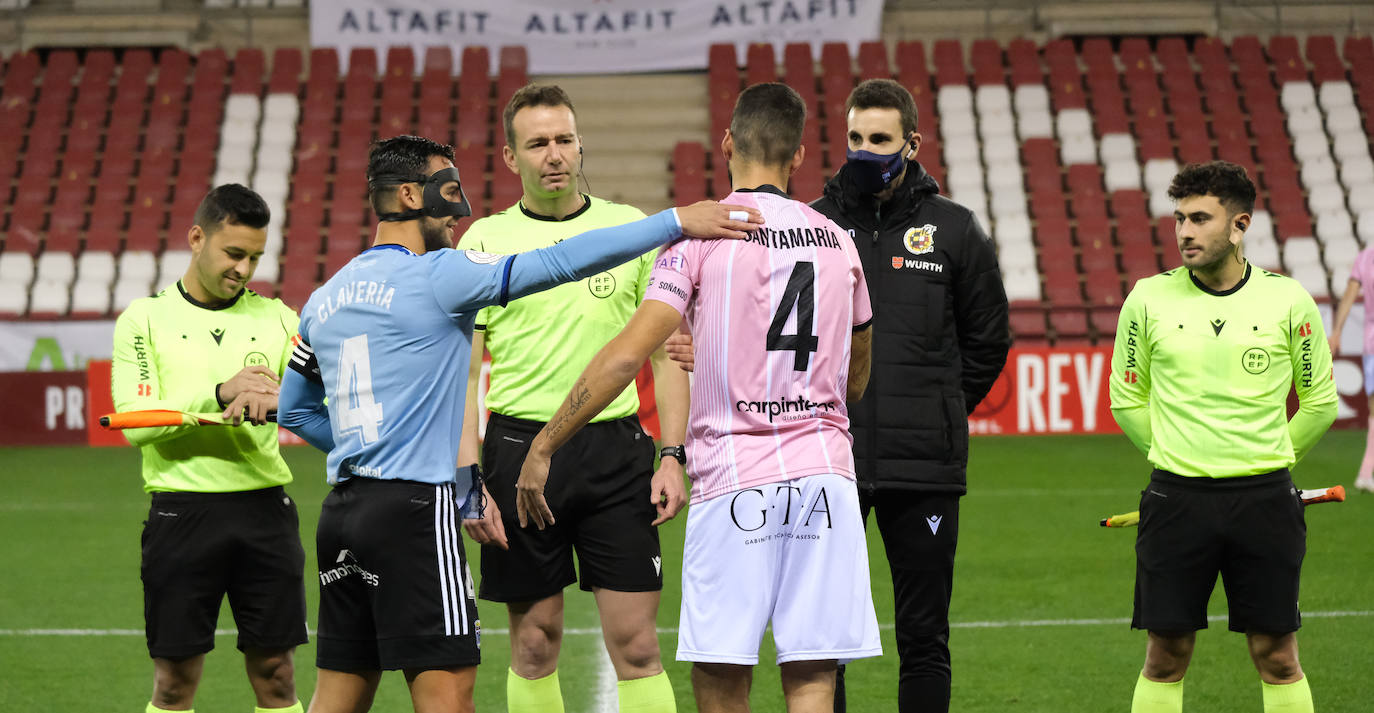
{"points": [[771, 319], [1363, 270]]}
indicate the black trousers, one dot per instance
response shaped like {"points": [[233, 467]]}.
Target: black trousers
{"points": [[920, 532]]}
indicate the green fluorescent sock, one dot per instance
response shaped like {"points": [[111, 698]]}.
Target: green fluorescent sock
{"points": [[1157, 696], [542, 695]]}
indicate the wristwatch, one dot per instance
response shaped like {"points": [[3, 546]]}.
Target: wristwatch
{"points": [[678, 452]]}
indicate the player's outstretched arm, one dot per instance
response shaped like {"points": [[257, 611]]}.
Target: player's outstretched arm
{"points": [[598, 250], [610, 371]]}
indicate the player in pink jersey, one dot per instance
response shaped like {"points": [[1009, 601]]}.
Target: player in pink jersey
{"points": [[1361, 276], [781, 327]]}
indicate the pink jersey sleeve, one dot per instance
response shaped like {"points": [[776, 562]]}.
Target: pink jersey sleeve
{"points": [[675, 275], [1360, 270]]}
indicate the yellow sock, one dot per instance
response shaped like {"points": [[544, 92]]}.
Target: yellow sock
{"points": [[154, 709], [293, 708], [1293, 697], [1157, 696], [542, 695], [652, 694]]}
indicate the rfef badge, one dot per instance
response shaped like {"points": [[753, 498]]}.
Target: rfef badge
{"points": [[920, 241]]}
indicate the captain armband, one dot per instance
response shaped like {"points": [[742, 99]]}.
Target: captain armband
{"points": [[303, 362]]}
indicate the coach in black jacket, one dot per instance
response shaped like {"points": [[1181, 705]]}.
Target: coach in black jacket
{"points": [[940, 338]]}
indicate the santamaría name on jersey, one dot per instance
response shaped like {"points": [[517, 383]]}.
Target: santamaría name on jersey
{"points": [[795, 238]]}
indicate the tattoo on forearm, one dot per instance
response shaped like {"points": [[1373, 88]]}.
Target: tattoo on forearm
{"points": [[576, 400]]}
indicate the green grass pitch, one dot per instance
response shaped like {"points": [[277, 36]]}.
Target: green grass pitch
{"points": [[1040, 601]]}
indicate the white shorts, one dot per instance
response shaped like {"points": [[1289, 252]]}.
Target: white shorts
{"points": [[791, 552], [1369, 375]]}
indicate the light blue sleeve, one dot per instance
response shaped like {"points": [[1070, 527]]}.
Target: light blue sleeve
{"points": [[301, 410], [465, 282]]}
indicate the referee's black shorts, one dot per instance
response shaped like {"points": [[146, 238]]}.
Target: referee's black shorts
{"points": [[1250, 530], [395, 589], [598, 490], [197, 547]]}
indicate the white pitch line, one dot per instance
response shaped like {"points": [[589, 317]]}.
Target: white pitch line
{"points": [[607, 694], [1006, 624]]}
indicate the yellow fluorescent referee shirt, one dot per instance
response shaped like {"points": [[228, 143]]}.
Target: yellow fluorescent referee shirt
{"points": [[1200, 379], [169, 353], [540, 343]]}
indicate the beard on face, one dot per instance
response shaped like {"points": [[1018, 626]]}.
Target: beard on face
{"points": [[1212, 256], [434, 232]]}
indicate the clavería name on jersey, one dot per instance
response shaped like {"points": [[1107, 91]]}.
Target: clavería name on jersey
{"points": [[361, 291], [795, 238], [786, 409], [749, 512]]}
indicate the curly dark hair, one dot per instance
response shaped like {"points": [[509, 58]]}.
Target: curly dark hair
{"points": [[406, 156], [1227, 181]]}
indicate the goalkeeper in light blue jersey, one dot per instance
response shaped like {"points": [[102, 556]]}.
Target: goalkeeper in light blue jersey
{"points": [[387, 342]]}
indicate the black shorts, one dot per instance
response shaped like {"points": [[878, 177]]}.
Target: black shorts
{"points": [[598, 490], [395, 590], [197, 547], [1250, 530]]}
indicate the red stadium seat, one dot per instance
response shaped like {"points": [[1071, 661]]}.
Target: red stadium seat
{"points": [[761, 64], [835, 60], [249, 65], [1103, 287], [400, 62], [987, 63], [873, 61], [1069, 323], [689, 172], [439, 61], [1103, 322], [1024, 59], [1027, 321], [911, 65], [949, 63], [286, 71], [362, 62]]}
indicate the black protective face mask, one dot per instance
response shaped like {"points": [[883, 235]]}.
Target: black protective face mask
{"points": [[435, 204], [874, 172]]}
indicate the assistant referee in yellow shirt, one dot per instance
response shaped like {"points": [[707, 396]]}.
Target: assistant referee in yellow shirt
{"points": [[1204, 358], [220, 522]]}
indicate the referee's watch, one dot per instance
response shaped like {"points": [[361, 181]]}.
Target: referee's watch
{"points": [[678, 452]]}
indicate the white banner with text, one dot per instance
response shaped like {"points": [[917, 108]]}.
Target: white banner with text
{"points": [[591, 36]]}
